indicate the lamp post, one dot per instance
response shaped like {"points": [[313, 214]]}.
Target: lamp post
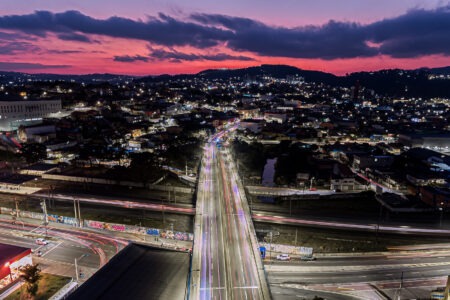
{"points": [[44, 210], [76, 265], [441, 209], [311, 182], [75, 211]]}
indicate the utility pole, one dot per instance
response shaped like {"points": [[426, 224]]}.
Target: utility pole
{"points": [[162, 211], [400, 288], [75, 210], [76, 270], [44, 210], [295, 237], [290, 205], [77, 276], [270, 246], [79, 214], [17, 207]]}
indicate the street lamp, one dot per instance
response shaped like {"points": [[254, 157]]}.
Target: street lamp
{"points": [[44, 210], [441, 209], [270, 238], [311, 182], [76, 265]]}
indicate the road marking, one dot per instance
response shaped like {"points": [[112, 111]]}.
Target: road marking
{"points": [[56, 246], [246, 287]]}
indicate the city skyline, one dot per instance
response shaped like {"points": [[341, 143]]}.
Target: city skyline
{"points": [[174, 37]]}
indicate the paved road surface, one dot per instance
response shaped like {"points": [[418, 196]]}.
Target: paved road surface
{"points": [[334, 278], [58, 256], [228, 268]]}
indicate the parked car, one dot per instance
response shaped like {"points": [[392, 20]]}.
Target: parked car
{"points": [[41, 241], [283, 257]]}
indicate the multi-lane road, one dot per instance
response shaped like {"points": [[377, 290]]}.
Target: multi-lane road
{"points": [[226, 256], [413, 275], [92, 250]]}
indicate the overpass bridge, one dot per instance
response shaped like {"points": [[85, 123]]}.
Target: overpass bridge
{"points": [[226, 262]]}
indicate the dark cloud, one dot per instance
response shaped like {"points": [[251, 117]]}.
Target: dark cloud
{"points": [[177, 56], [128, 58], [16, 47], [332, 40], [415, 33], [16, 66], [8, 36], [419, 32], [163, 30], [64, 51], [71, 36]]}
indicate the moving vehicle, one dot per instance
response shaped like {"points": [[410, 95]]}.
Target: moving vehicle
{"points": [[307, 258], [283, 257], [41, 241]]}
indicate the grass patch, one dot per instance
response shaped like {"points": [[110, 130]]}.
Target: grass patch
{"points": [[48, 286]]}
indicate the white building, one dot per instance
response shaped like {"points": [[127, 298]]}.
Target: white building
{"points": [[24, 112]]}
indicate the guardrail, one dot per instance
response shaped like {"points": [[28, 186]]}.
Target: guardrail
{"points": [[266, 294]]}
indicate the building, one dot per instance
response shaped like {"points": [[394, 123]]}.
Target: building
{"points": [[254, 126], [37, 133], [438, 142], [139, 272], [274, 116], [11, 259], [363, 161], [16, 111], [435, 196], [343, 178]]}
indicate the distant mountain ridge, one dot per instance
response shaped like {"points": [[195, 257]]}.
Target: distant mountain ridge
{"points": [[392, 82]]}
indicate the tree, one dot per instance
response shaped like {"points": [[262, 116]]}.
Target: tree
{"points": [[33, 152], [31, 274]]}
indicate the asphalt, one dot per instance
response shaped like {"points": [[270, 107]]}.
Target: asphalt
{"points": [[345, 278], [228, 268]]}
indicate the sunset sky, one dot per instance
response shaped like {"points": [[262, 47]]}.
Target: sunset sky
{"points": [[142, 37]]}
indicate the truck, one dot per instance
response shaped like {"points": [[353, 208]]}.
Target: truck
{"points": [[306, 254]]}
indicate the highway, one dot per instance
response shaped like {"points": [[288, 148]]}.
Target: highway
{"points": [[276, 218], [361, 276], [227, 258], [170, 208]]}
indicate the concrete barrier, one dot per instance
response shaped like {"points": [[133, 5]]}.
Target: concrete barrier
{"points": [[81, 179], [65, 291]]}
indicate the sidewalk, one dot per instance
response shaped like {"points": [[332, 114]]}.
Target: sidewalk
{"points": [[9, 291]]}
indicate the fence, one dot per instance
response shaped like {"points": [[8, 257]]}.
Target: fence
{"points": [[156, 232], [279, 248]]}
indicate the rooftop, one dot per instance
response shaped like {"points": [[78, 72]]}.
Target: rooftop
{"points": [[139, 272], [10, 253]]}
